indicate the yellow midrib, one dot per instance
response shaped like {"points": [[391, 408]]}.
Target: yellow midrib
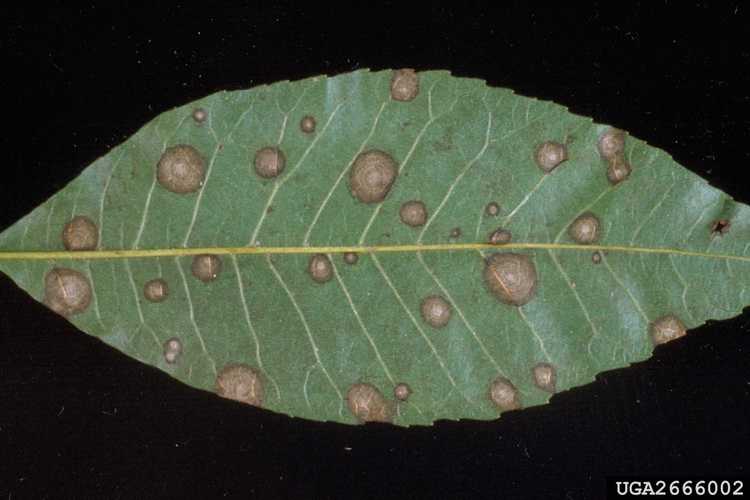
{"points": [[259, 250]]}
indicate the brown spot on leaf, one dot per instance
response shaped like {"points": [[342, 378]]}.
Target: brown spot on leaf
{"points": [[368, 404], [402, 391], [511, 278], [172, 350], [611, 143], [307, 124], [199, 115], [585, 229], [436, 311], [80, 234], [404, 84], [269, 162], [413, 213], [549, 155], [242, 383], [720, 227], [504, 395], [351, 258], [181, 169], [596, 257], [320, 268], [492, 209], [66, 291], [666, 329], [618, 170], [372, 176], [206, 267], [545, 377], [156, 290], [455, 233], [500, 237]]}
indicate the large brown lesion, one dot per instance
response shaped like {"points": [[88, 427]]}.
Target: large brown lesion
{"points": [[368, 404], [242, 383]]}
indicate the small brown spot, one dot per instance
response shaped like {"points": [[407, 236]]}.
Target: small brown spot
{"points": [[504, 394], [307, 124], [172, 350], [619, 170], [320, 268], [545, 377], [242, 383], [269, 162], [199, 115], [66, 291], [404, 84], [156, 290], [492, 209], [402, 391], [206, 267], [611, 143], [436, 311], [351, 258], [368, 404], [666, 329], [181, 169], [549, 155], [720, 227], [596, 257], [585, 229], [372, 176], [80, 234], [455, 233], [413, 213], [500, 237], [511, 278]]}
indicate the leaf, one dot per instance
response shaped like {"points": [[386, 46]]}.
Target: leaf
{"points": [[458, 146]]}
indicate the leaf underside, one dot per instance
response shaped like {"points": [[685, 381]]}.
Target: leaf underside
{"points": [[459, 145]]}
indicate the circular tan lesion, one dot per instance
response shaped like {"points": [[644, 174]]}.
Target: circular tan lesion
{"points": [[402, 391], [618, 170], [206, 267], [181, 169], [368, 404], [666, 329], [503, 394], [511, 277], [372, 176], [404, 85], [242, 383], [320, 268], [67, 291], [585, 229], [500, 236], [413, 213], [307, 124], [492, 209], [351, 258], [172, 350], [549, 154], [156, 290], [436, 311], [611, 143], [545, 377], [199, 115], [80, 233], [269, 162]]}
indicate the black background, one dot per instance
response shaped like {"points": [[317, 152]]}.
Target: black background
{"points": [[78, 419]]}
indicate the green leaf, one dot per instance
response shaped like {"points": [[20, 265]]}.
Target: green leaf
{"points": [[458, 146]]}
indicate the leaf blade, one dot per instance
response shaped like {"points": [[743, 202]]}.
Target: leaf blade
{"points": [[459, 145]]}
